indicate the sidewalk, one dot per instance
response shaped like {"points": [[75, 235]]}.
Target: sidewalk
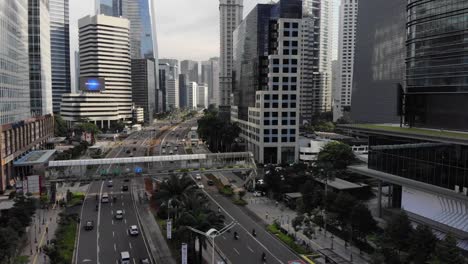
{"points": [[267, 210], [39, 233], [153, 235]]}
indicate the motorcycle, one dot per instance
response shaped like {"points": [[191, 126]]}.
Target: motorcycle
{"points": [[254, 233], [236, 236]]}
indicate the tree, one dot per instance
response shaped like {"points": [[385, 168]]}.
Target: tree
{"points": [[447, 252], [197, 215], [361, 221], [422, 245], [398, 232], [339, 155], [308, 191], [341, 206], [61, 129]]}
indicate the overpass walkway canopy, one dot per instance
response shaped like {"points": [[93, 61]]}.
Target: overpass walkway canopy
{"points": [[153, 159]]}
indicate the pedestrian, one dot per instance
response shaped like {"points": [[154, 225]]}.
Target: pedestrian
{"points": [[47, 229], [266, 216], [276, 203]]}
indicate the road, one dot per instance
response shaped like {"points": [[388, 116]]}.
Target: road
{"points": [[248, 249]]}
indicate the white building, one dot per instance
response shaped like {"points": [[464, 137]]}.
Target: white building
{"points": [[231, 12], [268, 111], [192, 95], [202, 97], [104, 55], [171, 84], [347, 38], [309, 148]]}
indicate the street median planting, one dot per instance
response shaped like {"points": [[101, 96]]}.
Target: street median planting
{"points": [[285, 238], [61, 248]]}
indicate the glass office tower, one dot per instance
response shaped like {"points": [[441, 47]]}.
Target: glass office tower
{"points": [[14, 84], [437, 63], [60, 50]]}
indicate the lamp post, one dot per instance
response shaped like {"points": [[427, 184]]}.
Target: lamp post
{"points": [[212, 234]]}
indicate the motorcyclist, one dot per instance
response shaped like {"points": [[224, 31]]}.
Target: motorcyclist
{"points": [[235, 235], [254, 233], [263, 257]]}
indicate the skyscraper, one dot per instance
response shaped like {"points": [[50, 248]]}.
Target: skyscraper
{"points": [[14, 85], [183, 84], [267, 49], [190, 68], [231, 12], [40, 71], [60, 50], [210, 77], [143, 87], [379, 60], [101, 59], [171, 85], [344, 74], [436, 64]]}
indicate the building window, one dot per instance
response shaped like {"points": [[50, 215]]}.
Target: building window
{"points": [[287, 25], [266, 105], [294, 52], [276, 61], [266, 131], [275, 87], [284, 139], [286, 33], [266, 139], [274, 139], [266, 114], [266, 122], [276, 70], [285, 79], [267, 97], [292, 139], [275, 79], [275, 97], [295, 25]]}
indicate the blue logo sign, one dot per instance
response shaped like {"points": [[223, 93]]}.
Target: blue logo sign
{"points": [[138, 170], [93, 85]]}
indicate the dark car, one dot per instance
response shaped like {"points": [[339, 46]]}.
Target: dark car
{"points": [[210, 183], [125, 188], [128, 151], [89, 225], [126, 180]]}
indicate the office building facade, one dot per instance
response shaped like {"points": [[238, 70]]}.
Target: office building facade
{"points": [[190, 68], [436, 64], [171, 85], [344, 74], [267, 52], [144, 87], [202, 97], [210, 78], [14, 88], [183, 86], [379, 60], [40, 71], [106, 58], [192, 95], [230, 16]]}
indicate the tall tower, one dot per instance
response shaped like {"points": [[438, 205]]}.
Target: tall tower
{"points": [[14, 84], [40, 71], [231, 12], [347, 39], [60, 50]]}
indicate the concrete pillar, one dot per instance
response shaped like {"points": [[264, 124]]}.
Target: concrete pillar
{"points": [[379, 200]]}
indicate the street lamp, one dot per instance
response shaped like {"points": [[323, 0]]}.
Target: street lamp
{"points": [[212, 234]]}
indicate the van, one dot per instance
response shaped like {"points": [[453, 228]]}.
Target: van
{"points": [[105, 198], [124, 257]]}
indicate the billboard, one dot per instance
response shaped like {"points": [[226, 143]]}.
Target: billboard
{"points": [[91, 84]]}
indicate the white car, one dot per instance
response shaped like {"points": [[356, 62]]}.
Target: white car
{"points": [[257, 194], [198, 177], [200, 186], [133, 230], [119, 214], [260, 181]]}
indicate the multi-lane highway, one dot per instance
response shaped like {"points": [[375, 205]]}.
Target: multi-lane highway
{"points": [[109, 237]]}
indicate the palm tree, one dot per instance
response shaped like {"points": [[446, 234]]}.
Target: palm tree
{"points": [[197, 215], [173, 191]]}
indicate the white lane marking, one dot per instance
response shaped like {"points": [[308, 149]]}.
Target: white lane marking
{"points": [[125, 220], [112, 212], [130, 244], [112, 221], [115, 248], [79, 229], [134, 262], [250, 249], [236, 251], [122, 203], [98, 224], [224, 237], [247, 231], [113, 234]]}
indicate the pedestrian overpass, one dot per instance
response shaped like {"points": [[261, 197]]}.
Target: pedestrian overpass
{"points": [[89, 169]]}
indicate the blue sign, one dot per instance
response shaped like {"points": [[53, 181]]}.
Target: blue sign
{"points": [[138, 170], [92, 84]]}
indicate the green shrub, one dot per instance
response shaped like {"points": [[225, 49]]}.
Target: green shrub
{"points": [[287, 239], [240, 202]]}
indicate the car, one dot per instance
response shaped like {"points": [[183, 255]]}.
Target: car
{"points": [[89, 225], [144, 261], [105, 198], [198, 177], [124, 257], [124, 187], [200, 186], [134, 149], [260, 181], [119, 214], [257, 194], [128, 151], [210, 183], [133, 230], [126, 180], [110, 183]]}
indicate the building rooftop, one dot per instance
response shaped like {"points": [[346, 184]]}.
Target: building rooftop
{"points": [[438, 135], [34, 158]]}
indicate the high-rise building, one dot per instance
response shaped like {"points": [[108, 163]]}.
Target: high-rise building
{"points": [[325, 56], [192, 96], [171, 67], [190, 68], [436, 64], [109, 7], [202, 96], [267, 48], [171, 85], [60, 50], [344, 73], [15, 102], [231, 12], [183, 86], [210, 77], [144, 87], [40, 71], [205, 72], [379, 60], [105, 73]]}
